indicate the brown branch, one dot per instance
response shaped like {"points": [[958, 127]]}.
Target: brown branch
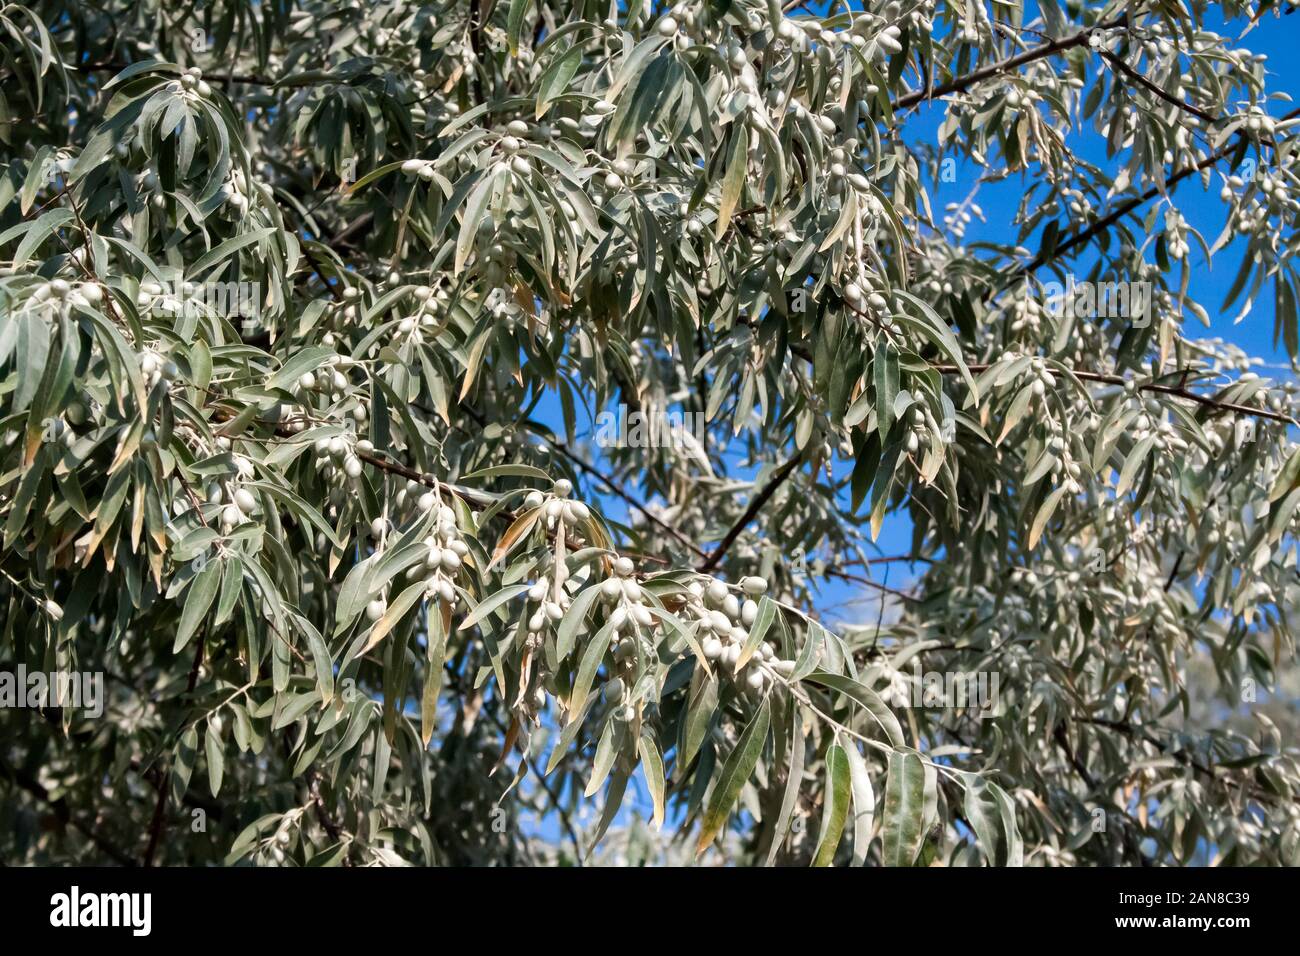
{"points": [[962, 83], [883, 588], [63, 813], [1141, 80], [755, 505], [619, 491], [160, 808], [1124, 208], [1178, 391], [1134, 733]]}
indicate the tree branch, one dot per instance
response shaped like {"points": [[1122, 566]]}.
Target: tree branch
{"points": [[160, 808], [1146, 84], [962, 83], [1178, 391], [63, 813], [755, 505]]}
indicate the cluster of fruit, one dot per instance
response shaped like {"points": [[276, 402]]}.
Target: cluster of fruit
{"points": [[917, 430], [344, 315], [857, 296], [1176, 234], [193, 84], [447, 549], [1042, 380], [1151, 422], [429, 303], [555, 508], [628, 615], [1026, 313], [154, 296], [155, 368], [338, 455], [241, 505], [866, 297], [957, 217], [236, 192], [332, 380], [423, 168], [61, 293], [549, 607], [724, 621]]}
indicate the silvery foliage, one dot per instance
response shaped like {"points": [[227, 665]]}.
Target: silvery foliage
{"points": [[357, 605]]}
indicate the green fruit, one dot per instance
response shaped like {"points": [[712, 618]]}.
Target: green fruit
{"points": [[614, 690]]}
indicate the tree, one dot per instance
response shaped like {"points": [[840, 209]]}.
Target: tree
{"points": [[433, 419]]}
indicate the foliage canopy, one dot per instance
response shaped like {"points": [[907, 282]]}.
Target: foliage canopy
{"points": [[306, 309]]}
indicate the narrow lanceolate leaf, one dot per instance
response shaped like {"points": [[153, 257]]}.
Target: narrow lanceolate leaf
{"points": [[592, 655], [868, 698], [733, 181], [835, 807], [885, 370], [1044, 515], [700, 708], [517, 531], [556, 78], [740, 764], [439, 619], [1015, 855], [515, 23], [904, 809], [985, 817], [864, 804], [758, 631], [490, 604], [613, 800], [574, 619], [320, 655], [652, 766], [475, 208], [793, 780], [198, 598], [216, 759], [1288, 477]]}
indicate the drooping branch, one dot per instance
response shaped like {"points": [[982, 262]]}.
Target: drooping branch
{"points": [[1126, 207], [1178, 391]]}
